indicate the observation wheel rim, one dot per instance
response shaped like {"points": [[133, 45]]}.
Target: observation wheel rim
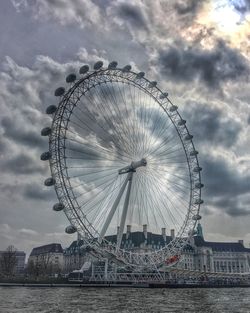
{"points": [[58, 159]]}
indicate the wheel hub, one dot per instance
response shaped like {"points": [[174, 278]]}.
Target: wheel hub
{"points": [[133, 166]]}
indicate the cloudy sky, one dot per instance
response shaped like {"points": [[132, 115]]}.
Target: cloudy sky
{"points": [[198, 51]]}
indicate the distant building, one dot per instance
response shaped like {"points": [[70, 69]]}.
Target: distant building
{"points": [[46, 259], [74, 256], [142, 241], [20, 266], [231, 257], [20, 261]]}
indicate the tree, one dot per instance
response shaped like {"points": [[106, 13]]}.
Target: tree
{"points": [[46, 264], [8, 261], [33, 269], [42, 266]]}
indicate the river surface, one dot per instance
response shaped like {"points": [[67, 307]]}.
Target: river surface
{"points": [[77, 300]]}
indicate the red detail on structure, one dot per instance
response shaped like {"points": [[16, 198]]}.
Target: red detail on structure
{"points": [[172, 259]]}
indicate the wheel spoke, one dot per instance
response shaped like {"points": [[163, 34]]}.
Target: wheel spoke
{"points": [[120, 155]]}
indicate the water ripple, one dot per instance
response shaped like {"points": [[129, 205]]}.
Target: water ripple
{"points": [[123, 300]]}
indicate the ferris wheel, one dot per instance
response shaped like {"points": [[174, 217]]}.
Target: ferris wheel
{"points": [[121, 155]]}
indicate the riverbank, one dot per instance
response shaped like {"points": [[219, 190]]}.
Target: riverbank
{"points": [[123, 285]]}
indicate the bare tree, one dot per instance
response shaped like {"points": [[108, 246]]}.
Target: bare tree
{"points": [[41, 266], [8, 261], [45, 261], [34, 269]]}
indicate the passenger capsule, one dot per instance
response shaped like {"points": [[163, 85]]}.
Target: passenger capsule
{"points": [[84, 69], [46, 131], [70, 229], [193, 153], [51, 109], [199, 185], [59, 92], [58, 207], [198, 201], [197, 169], [98, 65], [182, 122], [49, 182], [70, 78], [152, 84], [112, 65], [164, 95], [196, 217], [140, 75], [173, 108], [188, 137], [45, 156], [126, 68]]}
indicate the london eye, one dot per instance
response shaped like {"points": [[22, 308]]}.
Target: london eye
{"points": [[121, 154]]}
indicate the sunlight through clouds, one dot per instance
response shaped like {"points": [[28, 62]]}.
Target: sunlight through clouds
{"points": [[197, 50]]}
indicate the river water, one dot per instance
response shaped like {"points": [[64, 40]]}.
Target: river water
{"points": [[77, 300]]}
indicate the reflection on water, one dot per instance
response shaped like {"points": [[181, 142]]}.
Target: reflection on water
{"points": [[77, 300]]}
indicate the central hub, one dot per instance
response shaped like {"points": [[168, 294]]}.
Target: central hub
{"points": [[133, 166]]}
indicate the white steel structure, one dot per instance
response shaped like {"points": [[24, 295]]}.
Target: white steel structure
{"points": [[120, 153]]}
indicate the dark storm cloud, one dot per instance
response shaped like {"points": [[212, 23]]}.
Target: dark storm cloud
{"points": [[187, 6], [22, 164], [21, 135], [131, 14], [84, 13], [232, 206], [37, 192], [223, 180], [241, 6], [211, 125], [3, 146], [10, 190], [31, 191], [211, 66], [248, 120], [225, 187]]}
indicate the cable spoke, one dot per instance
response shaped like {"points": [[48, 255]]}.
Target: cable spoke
{"points": [[111, 122]]}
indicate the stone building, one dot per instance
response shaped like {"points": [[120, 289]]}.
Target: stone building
{"points": [[202, 255], [230, 257], [20, 265], [47, 259], [74, 256]]}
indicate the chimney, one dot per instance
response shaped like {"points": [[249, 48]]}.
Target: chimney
{"points": [[163, 232], [241, 242], [145, 231], [128, 231], [172, 233]]}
